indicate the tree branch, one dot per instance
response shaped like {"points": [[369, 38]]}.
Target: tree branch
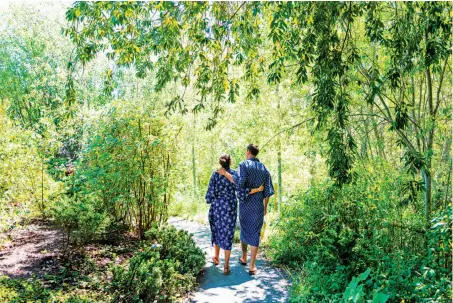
{"points": [[287, 129], [440, 86], [234, 14]]}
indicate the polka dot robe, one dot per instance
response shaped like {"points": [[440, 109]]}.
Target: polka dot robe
{"points": [[252, 174]]}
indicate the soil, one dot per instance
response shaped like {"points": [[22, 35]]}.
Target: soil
{"points": [[38, 248], [29, 250]]}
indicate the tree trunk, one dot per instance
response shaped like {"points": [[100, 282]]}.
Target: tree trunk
{"points": [[140, 221], [426, 172], [194, 170], [365, 141], [427, 180], [194, 174], [279, 177], [42, 184], [446, 150], [279, 159]]}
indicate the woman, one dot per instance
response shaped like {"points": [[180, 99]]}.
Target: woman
{"points": [[221, 195]]}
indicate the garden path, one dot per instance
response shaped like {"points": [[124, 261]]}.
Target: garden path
{"points": [[268, 285]]}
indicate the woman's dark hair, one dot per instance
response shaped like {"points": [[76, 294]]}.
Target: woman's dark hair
{"points": [[253, 148], [225, 161]]}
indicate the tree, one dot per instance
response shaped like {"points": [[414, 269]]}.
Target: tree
{"points": [[199, 42]]}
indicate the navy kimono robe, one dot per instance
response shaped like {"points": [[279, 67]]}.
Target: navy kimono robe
{"points": [[252, 174], [221, 195]]}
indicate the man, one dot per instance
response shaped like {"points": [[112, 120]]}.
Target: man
{"points": [[252, 208]]}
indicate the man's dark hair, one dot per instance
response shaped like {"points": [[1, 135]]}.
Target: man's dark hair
{"points": [[254, 149], [225, 161]]}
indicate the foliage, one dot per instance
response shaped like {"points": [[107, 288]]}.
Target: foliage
{"points": [[18, 291], [318, 38], [126, 165], [81, 218], [26, 189], [22, 291], [434, 283], [162, 272], [32, 75], [347, 100], [332, 236], [354, 292]]}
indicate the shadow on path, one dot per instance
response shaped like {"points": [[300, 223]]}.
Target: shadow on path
{"points": [[268, 285]]}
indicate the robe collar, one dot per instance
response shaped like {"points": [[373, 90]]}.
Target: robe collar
{"points": [[254, 159]]}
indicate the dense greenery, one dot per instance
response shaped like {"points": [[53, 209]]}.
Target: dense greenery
{"points": [[402, 52], [113, 114], [332, 242], [26, 189], [162, 271]]}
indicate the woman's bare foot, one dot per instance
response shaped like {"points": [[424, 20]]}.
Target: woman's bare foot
{"points": [[215, 260], [226, 270]]}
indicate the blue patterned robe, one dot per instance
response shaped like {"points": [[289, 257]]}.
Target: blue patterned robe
{"points": [[252, 174], [221, 195]]}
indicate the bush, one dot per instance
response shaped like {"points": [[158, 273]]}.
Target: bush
{"points": [[80, 218], [161, 272], [126, 163], [25, 291], [433, 282], [329, 237], [26, 189], [178, 245], [19, 291]]}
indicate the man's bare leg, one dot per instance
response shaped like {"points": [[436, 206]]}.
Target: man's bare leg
{"points": [[244, 252], [254, 250]]}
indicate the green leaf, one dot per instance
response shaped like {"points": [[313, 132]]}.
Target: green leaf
{"points": [[364, 275], [380, 298]]}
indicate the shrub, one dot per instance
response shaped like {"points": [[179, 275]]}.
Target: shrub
{"points": [[32, 290], [433, 283], [26, 189], [80, 218], [161, 272], [178, 245], [330, 236], [18, 291], [127, 164]]}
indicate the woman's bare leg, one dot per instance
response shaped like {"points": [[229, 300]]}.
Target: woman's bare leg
{"points": [[227, 257], [216, 251]]}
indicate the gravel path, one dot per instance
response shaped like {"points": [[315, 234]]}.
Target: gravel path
{"points": [[269, 285]]}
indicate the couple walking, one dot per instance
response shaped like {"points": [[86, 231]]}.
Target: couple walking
{"points": [[252, 185]]}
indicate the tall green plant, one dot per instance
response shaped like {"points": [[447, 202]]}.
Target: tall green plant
{"points": [[127, 164]]}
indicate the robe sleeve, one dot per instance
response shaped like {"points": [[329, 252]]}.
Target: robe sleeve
{"points": [[242, 192], [268, 186], [211, 193], [240, 177]]}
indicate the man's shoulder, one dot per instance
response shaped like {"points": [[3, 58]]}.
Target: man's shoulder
{"points": [[263, 167], [243, 163]]}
